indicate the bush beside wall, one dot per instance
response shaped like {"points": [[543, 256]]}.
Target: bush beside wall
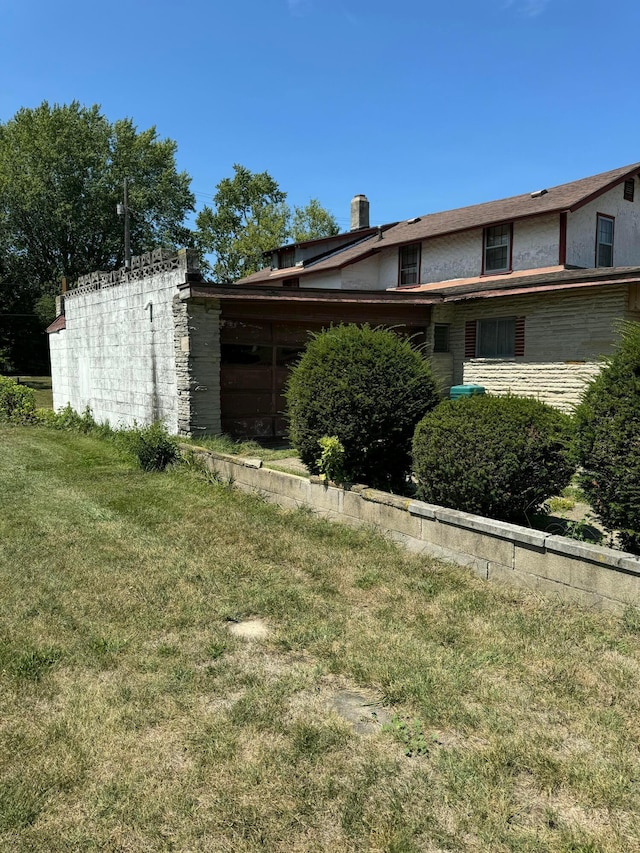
{"points": [[500, 457]]}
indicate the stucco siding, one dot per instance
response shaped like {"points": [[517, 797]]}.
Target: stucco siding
{"points": [[362, 276], [328, 280], [536, 242], [452, 256], [581, 229]]}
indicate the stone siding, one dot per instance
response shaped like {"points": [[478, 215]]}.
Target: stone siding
{"points": [[566, 333], [197, 358]]}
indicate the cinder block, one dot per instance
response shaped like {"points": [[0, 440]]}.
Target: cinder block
{"points": [[546, 586], [390, 517], [477, 544], [325, 498]]}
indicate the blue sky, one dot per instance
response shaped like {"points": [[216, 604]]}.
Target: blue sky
{"points": [[422, 106]]}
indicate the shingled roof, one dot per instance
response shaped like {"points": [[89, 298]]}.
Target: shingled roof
{"points": [[565, 197]]}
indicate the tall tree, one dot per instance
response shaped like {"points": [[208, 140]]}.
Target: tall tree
{"points": [[61, 177], [311, 222], [250, 217]]}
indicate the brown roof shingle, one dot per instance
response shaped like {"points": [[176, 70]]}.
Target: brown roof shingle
{"points": [[565, 197]]}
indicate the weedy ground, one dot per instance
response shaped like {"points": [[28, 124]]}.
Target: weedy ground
{"points": [[133, 719]]}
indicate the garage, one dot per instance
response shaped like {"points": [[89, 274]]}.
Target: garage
{"points": [[263, 333]]}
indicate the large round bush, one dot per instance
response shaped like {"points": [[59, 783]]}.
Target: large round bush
{"points": [[369, 388], [608, 440], [495, 456]]}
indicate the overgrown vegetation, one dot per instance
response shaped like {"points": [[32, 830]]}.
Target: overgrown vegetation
{"points": [[368, 388], [17, 402], [131, 718], [150, 445], [608, 441], [494, 456]]}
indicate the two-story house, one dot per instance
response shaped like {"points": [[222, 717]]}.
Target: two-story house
{"points": [[524, 292], [520, 295]]}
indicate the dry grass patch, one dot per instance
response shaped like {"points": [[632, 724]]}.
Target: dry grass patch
{"points": [[395, 704]]}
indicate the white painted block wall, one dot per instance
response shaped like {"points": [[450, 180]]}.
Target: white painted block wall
{"points": [[116, 354]]}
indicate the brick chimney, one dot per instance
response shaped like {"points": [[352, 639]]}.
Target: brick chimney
{"points": [[359, 212]]}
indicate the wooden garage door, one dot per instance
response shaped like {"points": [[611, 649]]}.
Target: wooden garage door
{"points": [[256, 356]]}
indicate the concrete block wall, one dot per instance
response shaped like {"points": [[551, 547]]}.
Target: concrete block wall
{"points": [[558, 383], [497, 551], [132, 350]]}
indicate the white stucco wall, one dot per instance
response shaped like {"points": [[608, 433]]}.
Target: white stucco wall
{"points": [[581, 229], [362, 276], [117, 353], [326, 281], [453, 256]]}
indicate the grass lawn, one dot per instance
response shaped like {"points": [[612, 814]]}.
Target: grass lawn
{"points": [[395, 704], [42, 387]]}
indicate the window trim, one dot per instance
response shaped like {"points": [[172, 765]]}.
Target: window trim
{"points": [[485, 232], [611, 219], [401, 249]]}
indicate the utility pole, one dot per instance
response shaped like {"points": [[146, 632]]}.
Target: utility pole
{"points": [[123, 210]]}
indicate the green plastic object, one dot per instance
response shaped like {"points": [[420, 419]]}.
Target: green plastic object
{"points": [[458, 391]]}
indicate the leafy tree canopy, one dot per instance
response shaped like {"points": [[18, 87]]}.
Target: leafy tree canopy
{"points": [[61, 177], [250, 217]]}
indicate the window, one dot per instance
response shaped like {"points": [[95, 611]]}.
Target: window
{"points": [[497, 248], [497, 337], [604, 241], [409, 264], [441, 337], [286, 258]]}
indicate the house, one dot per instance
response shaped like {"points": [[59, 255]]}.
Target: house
{"points": [[521, 294], [524, 293]]}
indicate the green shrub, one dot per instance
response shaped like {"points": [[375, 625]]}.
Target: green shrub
{"points": [[608, 441], [499, 457], [331, 460], [17, 402], [366, 387], [152, 446]]}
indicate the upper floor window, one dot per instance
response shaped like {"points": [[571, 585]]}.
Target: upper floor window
{"points": [[286, 258], [497, 248], [409, 264], [604, 241]]}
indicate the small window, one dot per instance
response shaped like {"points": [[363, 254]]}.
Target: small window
{"points": [[629, 188], [604, 241], [497, 248], [441, 337], [409, 264], [496, 338], [291, 283], [286, 258]]}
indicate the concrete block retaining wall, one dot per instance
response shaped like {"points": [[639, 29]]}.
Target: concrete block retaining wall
{"points": [[523, 557]]}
